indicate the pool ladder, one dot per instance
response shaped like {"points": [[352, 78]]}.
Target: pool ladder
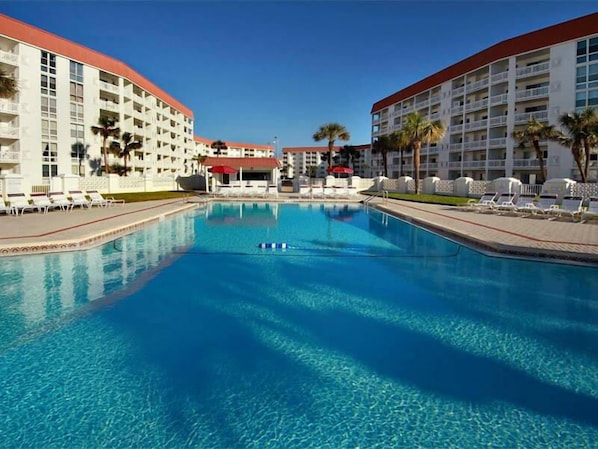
{"points": [[381, 193]]}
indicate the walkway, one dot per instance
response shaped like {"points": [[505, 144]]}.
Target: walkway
{"points": [[531, 237]]}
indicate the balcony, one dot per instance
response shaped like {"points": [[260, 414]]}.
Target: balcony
{"points": [[9, 107], [474, 164], [407, 109], [475, 145], [476, 105], [497, 78], [499, 99], [9, 157], [498, 143], [456, 146], [435, 116], [478, 85], [9, 58], [476, 125], [435, 99], [501, 120], [109, 105], [526, 163], [109, 87], [456, 129], [527, 116], [9, 132], [496, 163], [458, 91], [457, 110], [422, 104], [532, 70], [455, 164], [530, 94]]}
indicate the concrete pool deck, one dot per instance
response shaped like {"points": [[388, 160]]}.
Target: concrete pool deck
{"points": [[562, 240]]}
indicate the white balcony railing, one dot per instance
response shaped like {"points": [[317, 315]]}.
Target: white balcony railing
{"points": [[532, 93], [474, 164], [435, 99], [457, 110], [9, 58], [455, 164], [500, 142], [476, 125], [458, 91], [536, 69], [526, 163], [498, 121], [478, 85], [456, 129], [9, 157], [456, 146], [109, 87], [527, 116], [422, 104], [498, 77], [496, 163], [499, 99], [9, 107], [476, 105], [475, 145], [408, 108], [9, 131], [435, 116], [109, 105]]}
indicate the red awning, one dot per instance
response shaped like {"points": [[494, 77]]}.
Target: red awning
{"points": [[340, 170], [222, 169]]}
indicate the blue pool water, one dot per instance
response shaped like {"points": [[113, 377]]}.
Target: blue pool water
{"points": [[366, 333]]}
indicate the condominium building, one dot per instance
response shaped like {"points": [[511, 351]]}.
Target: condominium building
{"points": [[484, 98], [203, 146], [313, 161], [63, 90]]}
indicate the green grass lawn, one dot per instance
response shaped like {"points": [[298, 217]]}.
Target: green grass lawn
{"points": [[421, 198], [134, 197]]}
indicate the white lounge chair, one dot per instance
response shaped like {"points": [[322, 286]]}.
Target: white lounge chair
{"points": [[98, 200], [42, 202], [317, 191], [570, 206], [19, 202], [500, 200], [592, 211], [272, 191], [545, 203], [79, 199], [60, 200], [513, 206], [485, 201], [3, 207], [304, 191]]}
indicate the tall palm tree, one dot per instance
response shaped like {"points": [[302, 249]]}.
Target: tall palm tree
{"points": [[349, 154], [8, 85], [124, 147], [331, 132], [218, 145], [533, 132], [581, 134], [382, 146], [106, 128], [418, 130]]}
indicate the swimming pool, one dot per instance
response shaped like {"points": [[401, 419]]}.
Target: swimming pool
{"points": [[367, 332]]}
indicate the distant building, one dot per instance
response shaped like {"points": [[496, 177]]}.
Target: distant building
{"points": [[484, 98], [313, 161]]}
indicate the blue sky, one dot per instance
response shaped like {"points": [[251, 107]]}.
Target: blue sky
{"points": [[252, 70]]}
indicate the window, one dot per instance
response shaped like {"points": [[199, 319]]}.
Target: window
{"points": [[48, 62], [76, 72], [48, 107], [76, 92], [77, 132], [76, 112], [48, 85], [49, 129], [49, 157]]}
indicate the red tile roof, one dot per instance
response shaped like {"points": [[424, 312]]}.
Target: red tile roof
{"points": [[243, 162], [546, 37], [45, 40]]}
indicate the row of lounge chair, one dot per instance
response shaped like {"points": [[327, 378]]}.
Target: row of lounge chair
{"points": [[526, 204], [20, 202], [231, 191], [320, 191]]}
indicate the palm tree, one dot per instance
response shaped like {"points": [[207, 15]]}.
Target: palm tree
{"points": [[533, 132], [349, 154], [200, 159], [8, 85], [382, 146], [420, 130], [399, 141], [581, 134], [331, 132], [218, 145], [124, 151], [106, 129]]}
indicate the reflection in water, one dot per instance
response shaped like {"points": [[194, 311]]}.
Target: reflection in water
{"points": [[38, 289], [242, 214]]}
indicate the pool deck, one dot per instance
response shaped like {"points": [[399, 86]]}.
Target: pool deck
{"points": [[506, 235]]}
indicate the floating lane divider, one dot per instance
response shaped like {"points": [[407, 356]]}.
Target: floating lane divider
{"points": [[273, 245]]}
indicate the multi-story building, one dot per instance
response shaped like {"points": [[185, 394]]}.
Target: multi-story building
{"points": [[203, 146], [63, 90], [313, 161], [484, 98]]}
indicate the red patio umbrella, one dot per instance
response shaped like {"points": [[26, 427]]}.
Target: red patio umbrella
{"points": [[337, 169], [222, 169]]}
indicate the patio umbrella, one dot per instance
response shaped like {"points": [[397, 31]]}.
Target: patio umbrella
{"points": [[337, 169], [222, 169]]}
